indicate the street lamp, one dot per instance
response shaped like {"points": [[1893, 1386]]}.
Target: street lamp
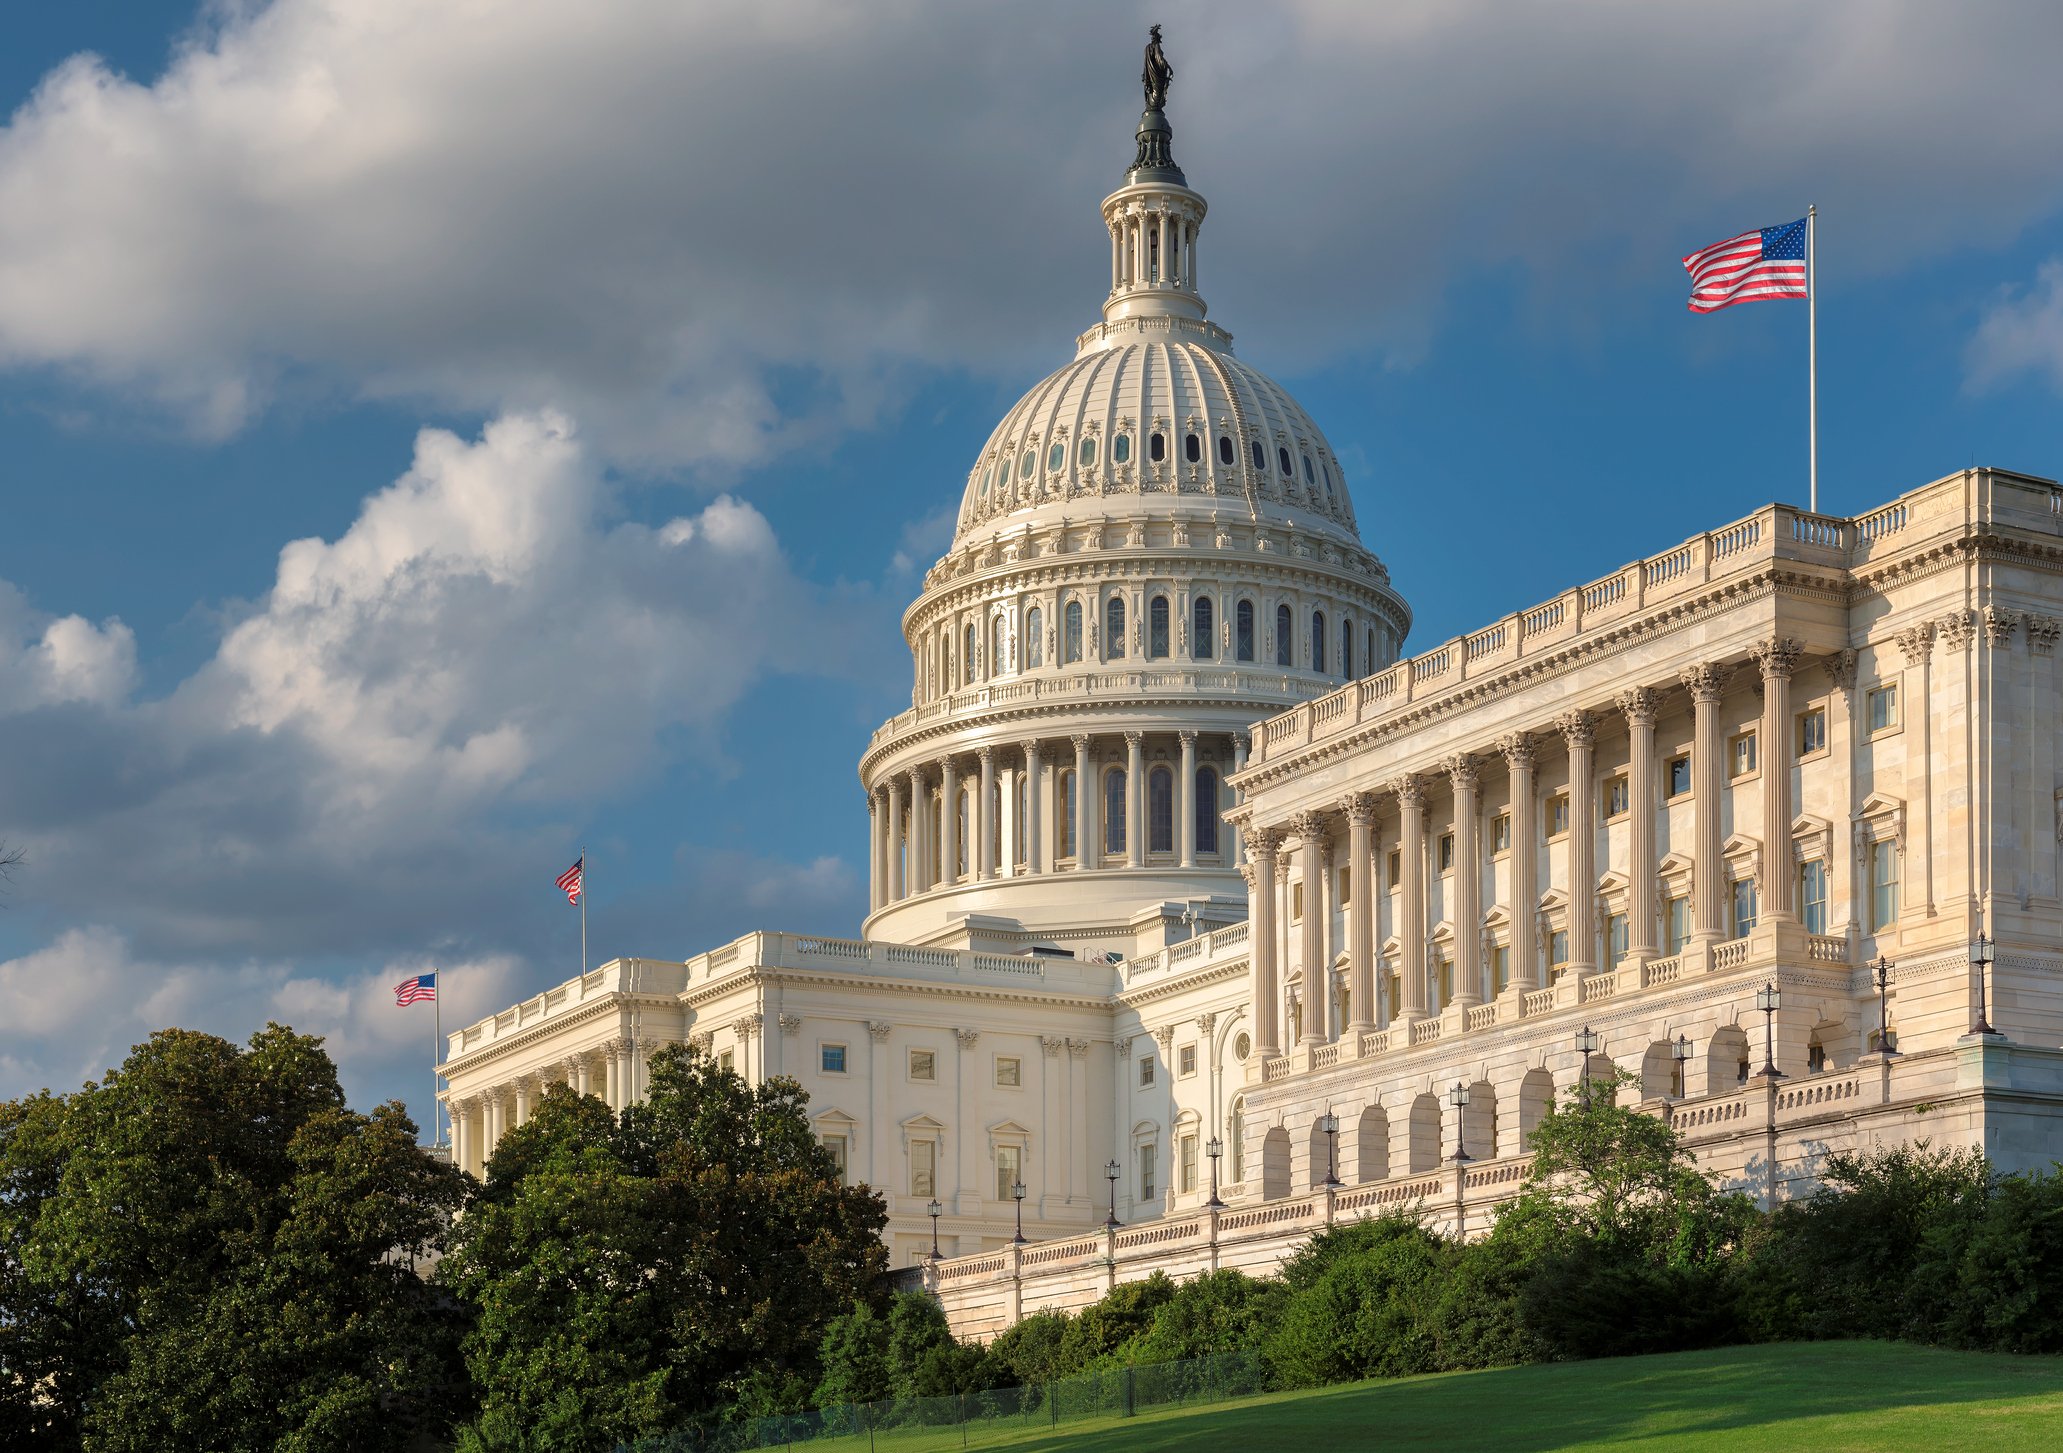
{"points": [[1586, 1042], [1982, 954], [1111, 1173], [934, 1209], [1882, 969], [1330, 1124], [1017, 1195], [1458, 1097], [1214, 1148], [1769, 999], [1680, 1052]]}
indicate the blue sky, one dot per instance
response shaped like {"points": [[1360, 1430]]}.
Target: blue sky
{"points": [[618, 373]]}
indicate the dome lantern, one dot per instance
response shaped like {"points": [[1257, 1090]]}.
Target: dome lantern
{"points": [[1154, 217]]}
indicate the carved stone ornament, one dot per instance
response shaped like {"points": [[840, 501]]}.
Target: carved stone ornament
{"points": [[1917, 642], [880, 1029], [1705, 680], [1778, 658], [2041, 633], [1051, 1044], [1410, 791], [699, 1042], [967, 1037], [1998, 626], [1124, 1047], [1166, 1035], [1359, 808], [1207, 1021], [1840, 669], [1246, 875], [1078, 1048], [746, 1026], [1640, 705], [1310, 827], [1262, 842], [1956, 629], [791, 1024], [1578, 728], [1461, 771], [1518, 751]]}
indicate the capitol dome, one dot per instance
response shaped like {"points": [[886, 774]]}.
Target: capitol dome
{"points": [[1155, 549]]}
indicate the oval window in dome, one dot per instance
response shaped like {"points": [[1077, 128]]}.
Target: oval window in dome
{"points": [[1224, 449], [1121, 449], [1192, 449], [1087, 452], [1260, 456], [988, 481], [1157, 448], [1282, 458], [1056, 457], [1309, 478], [1028, 465], [1003, 472]]}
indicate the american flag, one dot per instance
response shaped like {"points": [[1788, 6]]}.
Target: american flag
{"points": [[569, 881], [410, 991], [1766, 263]]}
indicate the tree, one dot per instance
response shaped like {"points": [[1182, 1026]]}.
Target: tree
{"points": [[856, 1359], [210, 1250], [632, 1275]]}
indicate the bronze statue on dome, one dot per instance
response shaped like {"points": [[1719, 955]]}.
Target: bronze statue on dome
{"points": [[1157, 73]]}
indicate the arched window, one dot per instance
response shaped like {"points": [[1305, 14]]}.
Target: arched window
{"points": [[1283, 634], [1243, 630], [1157, 627], [1225, 449], [1160, 810], [1192, 448], [1121, 449], [1318, 640], [1056, 457], [1067, 813], [1260, 455], [1034, 638], [967, 658], [1282, 458], [1157, 448], [1114, 629], [1086, 455], [1071, 648], [1206, 811], [1114, 810], [1235, 1140], [1203, 627], [1347, 648]]}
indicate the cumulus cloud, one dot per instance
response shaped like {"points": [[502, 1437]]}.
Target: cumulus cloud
{"points": [[2022, 332], [46, 660], [713, 232]]}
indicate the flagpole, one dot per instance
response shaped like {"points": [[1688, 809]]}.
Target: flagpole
{"points": [[583, 910], [1812, 347], [436, 1069]]}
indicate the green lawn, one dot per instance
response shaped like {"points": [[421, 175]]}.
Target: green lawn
{"points": [[1834, 1397]]}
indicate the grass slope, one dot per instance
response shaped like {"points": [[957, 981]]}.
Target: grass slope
{"points": [[1828, 1397]]}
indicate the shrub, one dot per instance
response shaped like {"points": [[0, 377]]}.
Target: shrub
{"points": [[1369, 1313]]}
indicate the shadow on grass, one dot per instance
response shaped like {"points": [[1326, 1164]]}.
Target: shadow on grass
{"points": [[1542, 1408]]}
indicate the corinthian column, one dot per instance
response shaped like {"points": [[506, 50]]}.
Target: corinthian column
{"points": [[1084, 795], [895, 839], [1266, 988], [1777, 658], [1525, 869], [1579, 729], [1706, 681], [1312, 856], [1411, 900], [1135, 800], [1468, 884], [1185, 803], [982, 856], [1360, 810], [1640, 705], [1034, 804], [948, 821]]}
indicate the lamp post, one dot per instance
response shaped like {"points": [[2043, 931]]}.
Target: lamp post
{"points": [[1769, 999], [1458, 1097], [1214, 1148], [1982, 953], [1017, 1195], [1111, 1173], [1586, 1042], [1680, 1053], [1330, 1124], [934, 1209], [1882, 970]]}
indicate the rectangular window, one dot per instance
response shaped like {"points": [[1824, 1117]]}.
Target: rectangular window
{"points": [[923, 1065], [1679, 917], [1296, 903], [1009, 1071], [1343, 887], [1743, 907], [1883, 885], [1396, 866], [1883, 708], [1186, 1166], [1148, 1170], [1500, 968], [1812, 895], [1446, 852], [1500, 833], [1558, 814], [1009, 1170], [1557, 951], [1740, 755], [728, 1061], [835, 1144], [1679, 776], [831, 1059], [1185, 1061], [1618, 796], [1616, 936], [1812, 731], [1443, 983], [924, 1168], [1145, 1071]]}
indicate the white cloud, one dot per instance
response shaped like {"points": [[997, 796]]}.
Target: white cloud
{"points": [[49, 660], [2022, 332], [715, 231]]}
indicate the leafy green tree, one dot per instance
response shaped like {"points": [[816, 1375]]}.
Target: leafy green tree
{"points": [[2005, 1271], [634, 1275], [855, 1358], [1030, 1352], [1370, 1312], [1220, 1312], [210, 1250], [925, 1359], [1095, 1333]]}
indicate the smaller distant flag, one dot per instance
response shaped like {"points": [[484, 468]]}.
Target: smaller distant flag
{"points": [[412, 991], [569, 881], [1751, 268]]}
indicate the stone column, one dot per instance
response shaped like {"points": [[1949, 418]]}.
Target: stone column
{"points": [[1185, 802], [1313, 859], [948, 821], [1034, 810], [1008, 827], [1360, 811], [460, 1132], [1778, 897], [981, 856], [1579, 730], [880, 1125], [1266, 987], [896, 845], [1525, 868], [1411, 900], [1239, 744], [1135, 800], [1084, 796], [1706, 681], [1639, 706], [967, 1177], [1468, 884], [612, 1088], [874, 852], [1917, 643]]}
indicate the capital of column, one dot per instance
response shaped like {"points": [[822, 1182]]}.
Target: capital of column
{"points": [[1410, 792], [1246, 875], [1309, 826], [1078, 1048], [1359, 808], [1187, 739], [967, 1037], [1998, 626], [791, 1024], [1917, 642], [1640, 706], [1461, 772], [1264, 842], [746, 1026], [1840, 669], [1081, 741], [1518, 751], [1133, 739], [2042, 632], [1206, 1021], [1706, 680], [1032, 751], [1578, 728], [1956, 630], [1050, 1045], [987, 757], [1777, 657], [880, 1029], [1241, 743], [947, 766]]}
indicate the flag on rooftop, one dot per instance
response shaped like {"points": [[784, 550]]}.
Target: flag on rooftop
{"points": [[410, 991], [1766, 263], [569, 881]]}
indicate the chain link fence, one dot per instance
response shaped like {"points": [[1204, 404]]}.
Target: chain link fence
{"points": [[977, 1419]]}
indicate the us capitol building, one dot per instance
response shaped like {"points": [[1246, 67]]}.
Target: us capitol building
{"points": [[1174, 852]]}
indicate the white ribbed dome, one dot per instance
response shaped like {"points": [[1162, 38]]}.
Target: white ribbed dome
{"points": [[1088, 431]]}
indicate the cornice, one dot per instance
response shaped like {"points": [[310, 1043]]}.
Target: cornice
{"points": [[613, 1003], [1182, 983], [761, 974]]}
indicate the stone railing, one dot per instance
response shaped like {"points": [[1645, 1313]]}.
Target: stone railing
{"points": [[900, 960], [618, 976]]}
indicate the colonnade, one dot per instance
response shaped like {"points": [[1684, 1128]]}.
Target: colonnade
{"points": [[1303, 847], [916, 822], [1154, 248], [615, 1071]]}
